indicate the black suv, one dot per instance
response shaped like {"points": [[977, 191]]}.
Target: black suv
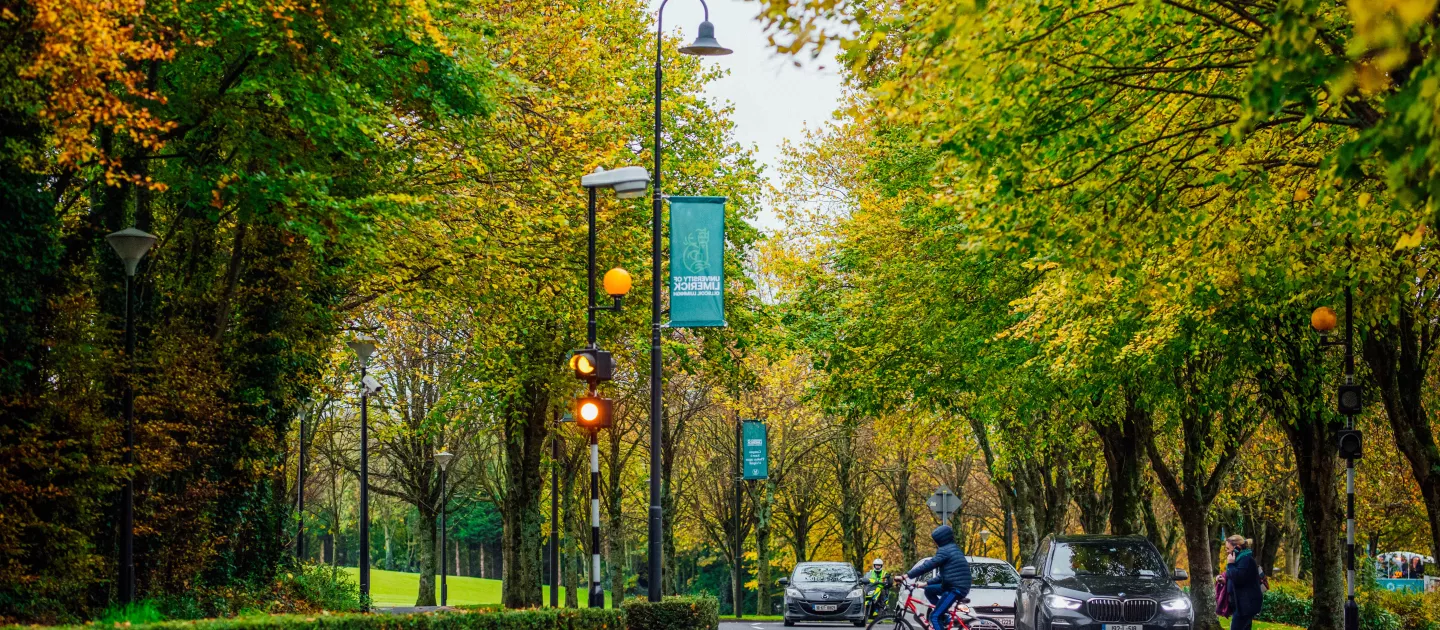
{"points": [[1100, 583]]}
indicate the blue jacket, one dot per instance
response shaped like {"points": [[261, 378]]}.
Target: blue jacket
{"points": [[954, 568], [1242, 579]]}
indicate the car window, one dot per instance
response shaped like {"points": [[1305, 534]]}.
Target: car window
{"points": [[1108, 559], [824, 573], [993, 575]]}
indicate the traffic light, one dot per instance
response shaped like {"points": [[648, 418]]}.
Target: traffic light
{"points": [[1349, 400], [1349, 442], [593, 412], [592, 365]]}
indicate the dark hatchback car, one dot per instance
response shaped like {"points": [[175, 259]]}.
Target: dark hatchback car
{"points": [[824, 591], [1100, 583]]}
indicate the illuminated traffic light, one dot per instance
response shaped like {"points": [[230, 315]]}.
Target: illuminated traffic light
{"points": [[593, 412], [592, 365]]}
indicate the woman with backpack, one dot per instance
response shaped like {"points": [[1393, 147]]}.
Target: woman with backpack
{"points": [[1242, 583]]}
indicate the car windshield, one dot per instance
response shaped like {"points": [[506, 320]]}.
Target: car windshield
{"points": [[1108, 559], [816, 573], [993, 575]]}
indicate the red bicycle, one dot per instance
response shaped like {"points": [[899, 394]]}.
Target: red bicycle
{"points": [[909, 602]]}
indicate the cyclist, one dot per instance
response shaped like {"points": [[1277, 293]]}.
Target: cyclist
{"points": [[876, 578], [954, 575]]}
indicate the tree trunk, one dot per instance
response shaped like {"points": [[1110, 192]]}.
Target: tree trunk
{"points": [[1317, 465], [1120, 441], [429, 556], [1194, 519], [526, 428], [1399, 363]]}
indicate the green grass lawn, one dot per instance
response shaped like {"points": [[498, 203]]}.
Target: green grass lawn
{"points": [[395, 588], [1259, 625]]}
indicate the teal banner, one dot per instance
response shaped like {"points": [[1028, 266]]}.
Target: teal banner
{"points": [[697, 262], [755, 450]]}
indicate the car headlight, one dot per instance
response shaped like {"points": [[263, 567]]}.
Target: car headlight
{"points": [[1062, 603], [1176, 605], [962, 608], [793, 593], [854, 592]]}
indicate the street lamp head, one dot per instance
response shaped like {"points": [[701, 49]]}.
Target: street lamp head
{"points": [[131, 244], [443, 459], [1323, 320], [617, 282], [628, 182], [984, 536], [362, 348], [705, 44]]}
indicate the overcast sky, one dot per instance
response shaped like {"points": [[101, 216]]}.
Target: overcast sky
{"points": [[773, 99]]}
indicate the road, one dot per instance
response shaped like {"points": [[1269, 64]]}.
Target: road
{"points": [[731, 624]]}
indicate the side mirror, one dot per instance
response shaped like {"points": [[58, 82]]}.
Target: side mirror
{"points": [[1180, 575], [784, 582], [1027, 573]]}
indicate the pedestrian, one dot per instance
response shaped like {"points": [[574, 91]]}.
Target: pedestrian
{"points": [[1417, 569], [954, 575], [1242, 582]]}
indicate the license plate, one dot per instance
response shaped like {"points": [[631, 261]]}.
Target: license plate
{"points": [[832, 607], [1124, 626], [1006, 622]]}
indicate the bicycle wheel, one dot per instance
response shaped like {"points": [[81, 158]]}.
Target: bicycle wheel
{"points": [[889, 621]]}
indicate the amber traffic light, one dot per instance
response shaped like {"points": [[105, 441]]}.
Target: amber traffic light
{"points": [[593, 412], [592, 365]]}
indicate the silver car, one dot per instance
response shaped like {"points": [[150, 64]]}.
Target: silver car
{"points": [[824, 591]]}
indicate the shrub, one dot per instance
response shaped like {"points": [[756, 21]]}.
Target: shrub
{"points": [[673, 613], [1282, 607]]}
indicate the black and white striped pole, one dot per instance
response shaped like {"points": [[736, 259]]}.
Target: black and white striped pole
{"points": [[597, 594]]}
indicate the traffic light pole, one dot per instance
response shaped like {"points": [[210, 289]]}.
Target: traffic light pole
{"points": [[590, 273], [597, 594]]}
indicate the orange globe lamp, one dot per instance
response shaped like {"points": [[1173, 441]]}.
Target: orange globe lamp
{"points": [[617, 282], [1323, 320]]}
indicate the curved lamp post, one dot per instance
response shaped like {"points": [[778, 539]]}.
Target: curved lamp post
{"points": [[704, 45], [130, 244], [363, 348], [443, 459]]}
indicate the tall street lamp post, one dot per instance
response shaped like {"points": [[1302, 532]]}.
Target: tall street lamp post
{"points": [[443, 459], [704, 46], [1347, 440], [593, 364], [363, 348], [130, 244]]}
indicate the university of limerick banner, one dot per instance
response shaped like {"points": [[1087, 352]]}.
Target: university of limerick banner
{"points": [[697, 262]]}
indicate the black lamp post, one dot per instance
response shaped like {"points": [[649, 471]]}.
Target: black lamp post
{"points": [[130, 244], [1347, 440], [705, 46], [363, 348], [443, 459]]}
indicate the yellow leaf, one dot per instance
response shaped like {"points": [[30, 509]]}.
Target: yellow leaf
{"points": [[1411, 240]]}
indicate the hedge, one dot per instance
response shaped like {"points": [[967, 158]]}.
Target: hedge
{"points": [[673, 613], [534, 619], [1288, 609]]}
